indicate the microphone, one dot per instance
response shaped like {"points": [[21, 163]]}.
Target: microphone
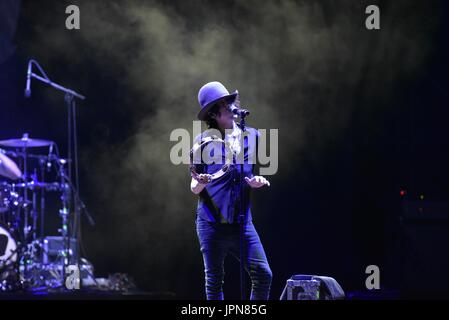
{"points": [[238, 111], [28, 89]]}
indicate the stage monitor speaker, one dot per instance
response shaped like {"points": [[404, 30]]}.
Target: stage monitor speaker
{"points": [[312, 287]]}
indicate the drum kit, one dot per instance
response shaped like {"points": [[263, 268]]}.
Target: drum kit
{"points": [[23, 195]]}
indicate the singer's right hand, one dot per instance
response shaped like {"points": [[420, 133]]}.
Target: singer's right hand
{"points": [[203, 178], [199, 182]]}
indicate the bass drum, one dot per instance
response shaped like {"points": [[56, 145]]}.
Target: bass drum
{"points": [[8, 249], [9, 275]]}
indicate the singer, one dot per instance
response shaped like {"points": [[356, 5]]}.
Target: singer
{"points": [[217, 213]]}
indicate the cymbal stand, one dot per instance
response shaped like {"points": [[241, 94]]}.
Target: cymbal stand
{"points": [[42, 200], [64, 214], [34, 212], [25, 190]]}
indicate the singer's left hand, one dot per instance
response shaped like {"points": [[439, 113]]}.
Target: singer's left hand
{"points": [[257, 181]]}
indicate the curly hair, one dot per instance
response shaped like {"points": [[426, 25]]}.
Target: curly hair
{"points": [[211, 122]]}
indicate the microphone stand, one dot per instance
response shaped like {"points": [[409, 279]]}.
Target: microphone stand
{"points": [[242, 215], [70, 96]]}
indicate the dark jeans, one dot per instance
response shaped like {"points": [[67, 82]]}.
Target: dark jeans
{"points": [[216, 241]]}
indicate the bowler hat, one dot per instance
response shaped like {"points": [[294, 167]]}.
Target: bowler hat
{"points": [[210, 94]]}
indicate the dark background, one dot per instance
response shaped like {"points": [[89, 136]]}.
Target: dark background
{"points": [[361, 115]]}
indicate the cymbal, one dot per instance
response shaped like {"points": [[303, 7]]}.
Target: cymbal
{"points": [[8, 168], [25, 142]]}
